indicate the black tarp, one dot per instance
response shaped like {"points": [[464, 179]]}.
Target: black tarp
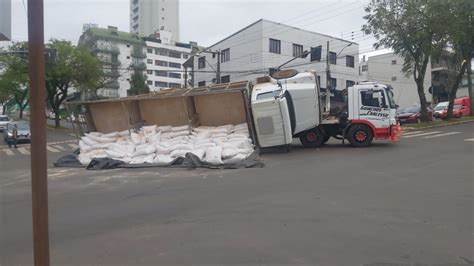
{"points": [[190, 161]]}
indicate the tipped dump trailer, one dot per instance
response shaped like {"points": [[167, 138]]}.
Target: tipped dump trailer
{"points": [[276, 109]]}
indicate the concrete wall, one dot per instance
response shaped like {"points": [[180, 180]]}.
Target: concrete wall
{"points": [[387, 69], [6, 18], [249, 50]]}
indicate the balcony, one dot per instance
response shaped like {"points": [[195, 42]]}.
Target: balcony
{"points": [[114, 73], [138, 52], [138, 66], [106, 49], [112, 85], [112, 63]]}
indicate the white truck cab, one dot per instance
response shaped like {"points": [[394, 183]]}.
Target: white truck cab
{"points": [[288, 105]]}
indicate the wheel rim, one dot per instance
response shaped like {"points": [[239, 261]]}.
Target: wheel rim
{"points": [[311, 136], [360, 136]]}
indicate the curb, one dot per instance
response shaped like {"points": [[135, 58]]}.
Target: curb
{"points": [[441, 125]]}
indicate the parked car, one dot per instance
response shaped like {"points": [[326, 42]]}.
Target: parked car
{"points": [[466, 102], [458, 111], [23, 132], [439, 108], [411, 114], [3, 122]]}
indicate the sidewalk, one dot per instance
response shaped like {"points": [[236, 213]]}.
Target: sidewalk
{"points": [[438, 123]]}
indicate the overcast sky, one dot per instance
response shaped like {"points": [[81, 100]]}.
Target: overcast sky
{"points": [[203, 21]]}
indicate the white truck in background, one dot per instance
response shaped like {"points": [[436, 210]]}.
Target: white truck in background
{"points": [[288, 105]]}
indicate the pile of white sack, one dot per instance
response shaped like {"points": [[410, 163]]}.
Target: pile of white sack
{"points": [[229, 144]]}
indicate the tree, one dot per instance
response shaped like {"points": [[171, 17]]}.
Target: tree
{"points": [[14, 81], [459, 29], [74, 67], [411, 29], [138, 84]]}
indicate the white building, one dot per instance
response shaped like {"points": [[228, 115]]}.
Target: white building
{"points": [[264, 45], [5, 20], [387, 69], [149, 16], [164, 61], [121, 54]]}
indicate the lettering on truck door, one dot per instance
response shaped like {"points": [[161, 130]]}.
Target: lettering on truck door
{"points": [[373, 107]]}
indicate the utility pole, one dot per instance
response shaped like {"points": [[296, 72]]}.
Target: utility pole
{"points": [[39, 174], [218, 70], [328, 79]]}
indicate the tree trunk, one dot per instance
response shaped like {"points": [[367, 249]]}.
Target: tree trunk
{"points": [[469, 86], [57, 121], [4, 109], [21, 112], [423, 102], [454, 90]]}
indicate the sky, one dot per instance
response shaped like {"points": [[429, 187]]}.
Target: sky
{"points": [[204, 21]]}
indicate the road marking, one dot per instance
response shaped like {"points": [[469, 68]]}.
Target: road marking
{"points": [[51, 149], [441, 135], [421, 134], [8, 152], [24, 151], [74, 146], [411, 133], [472, 140], [59, 147]]}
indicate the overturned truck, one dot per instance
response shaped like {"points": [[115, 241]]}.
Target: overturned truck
{"points": [[196, 127]]}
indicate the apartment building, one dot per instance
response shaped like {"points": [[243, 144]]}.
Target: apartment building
{"points": [[150, 16], [5, 20]]}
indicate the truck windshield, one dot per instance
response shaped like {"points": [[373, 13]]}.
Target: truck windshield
{"points": [[267, 95], [391, 101]]}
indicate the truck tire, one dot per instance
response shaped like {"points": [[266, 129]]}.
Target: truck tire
{"points": [[312, 138], [326, 139], [360, 135]]}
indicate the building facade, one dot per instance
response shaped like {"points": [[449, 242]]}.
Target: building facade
{"points": [[5, 20], [443, 72], [387, 69], [150, 16], [120, 53], [164, 62], [264, 45]]}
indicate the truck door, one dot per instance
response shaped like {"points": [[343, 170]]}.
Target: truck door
{"points": [[374, 108]]}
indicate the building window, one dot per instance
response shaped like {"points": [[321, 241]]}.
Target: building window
{"points": [[149, 82], [201, 62], [149, 61], [225, 79], [149, 50], [175, 76], [225, 55], [275, 46], [174, 54], [349, 61], [161, 84], [185, 56], [333, 83], [201, 84], [332, 58], [349, 83], [161, 51], [394, 78], [128, 57], [161, 63], [149, 72], [297, 50], [394, 62], [365, 68], [161, 73], [174, 85], [316, 53], [128, 45], [174, 65]]}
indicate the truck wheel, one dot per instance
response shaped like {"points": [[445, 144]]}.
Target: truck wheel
{"points": [[360, 135], [312, 138]]}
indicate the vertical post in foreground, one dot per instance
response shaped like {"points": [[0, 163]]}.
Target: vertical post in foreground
{"points": [[39, 174]]}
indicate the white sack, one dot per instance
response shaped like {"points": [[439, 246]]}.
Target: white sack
{"points": [[213, 155], [199, 153], [180, 128], [202, 135], [162, 160], [220, 130], [97, 134], [179, 153], [183, 146], [204, 145], [115, 154], [88, 141], [140, 151], [83, 146], [164, 128], [148, 130], [162, 150], [179, 133], [136, 139], [124, 133], [218, 135], [111, 135], [236, 159]]}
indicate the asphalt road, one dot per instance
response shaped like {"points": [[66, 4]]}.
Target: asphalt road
{"points": [[389, 204]]}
